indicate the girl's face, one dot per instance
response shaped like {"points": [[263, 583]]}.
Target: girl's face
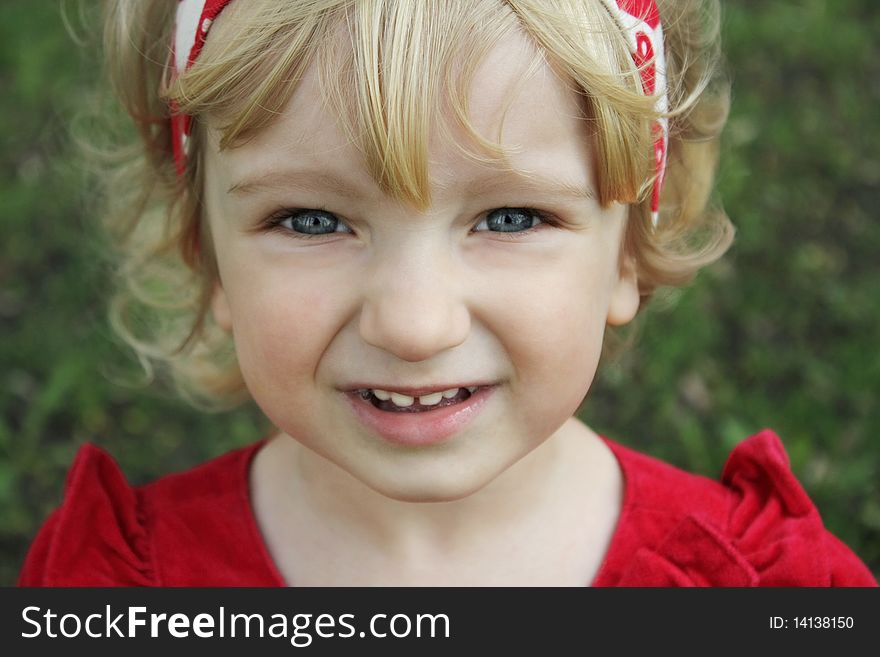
{"points": [[505, 283]]}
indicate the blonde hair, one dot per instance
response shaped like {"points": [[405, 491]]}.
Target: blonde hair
{"points": [[405, 69]]}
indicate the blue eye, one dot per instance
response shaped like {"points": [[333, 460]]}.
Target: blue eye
{"points": [[309, 223], [510, 220]]}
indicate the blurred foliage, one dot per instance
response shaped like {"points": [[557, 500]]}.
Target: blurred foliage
{"points": [[782, 333]]}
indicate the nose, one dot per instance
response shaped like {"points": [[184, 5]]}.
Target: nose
{"points": [[414, 306]]}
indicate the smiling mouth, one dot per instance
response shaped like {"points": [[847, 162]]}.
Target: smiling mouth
{"points": [[413, 405]]}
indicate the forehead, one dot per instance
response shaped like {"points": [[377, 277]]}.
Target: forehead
{"points": [[514, 99]]}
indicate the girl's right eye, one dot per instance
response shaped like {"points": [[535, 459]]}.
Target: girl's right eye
{"points": [[306, 224]]}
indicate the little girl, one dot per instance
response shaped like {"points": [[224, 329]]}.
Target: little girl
{"points": [[404, 229]]}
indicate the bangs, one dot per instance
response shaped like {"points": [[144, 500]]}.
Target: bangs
{"points": [[397, 73]]}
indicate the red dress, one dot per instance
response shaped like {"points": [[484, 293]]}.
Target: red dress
{"points": [[757, 527]]}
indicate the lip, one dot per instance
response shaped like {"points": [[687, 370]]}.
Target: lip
{"points": [[419, 429]]}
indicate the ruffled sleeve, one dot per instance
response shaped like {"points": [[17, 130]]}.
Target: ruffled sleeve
{"points": [[775, 525], [97, 536], [763, 530]]}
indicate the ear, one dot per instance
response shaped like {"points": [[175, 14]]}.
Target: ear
{"points": [[220, 308], [625, 297]]}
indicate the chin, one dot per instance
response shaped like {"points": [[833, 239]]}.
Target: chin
{"points": [[427, 487]]}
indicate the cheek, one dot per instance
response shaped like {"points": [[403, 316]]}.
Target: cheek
{"points": [[553, 329], [280, 328], [560, 335]]}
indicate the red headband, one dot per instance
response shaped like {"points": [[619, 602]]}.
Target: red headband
{"points": [[640, 22], [194, 19], [638, 19]]}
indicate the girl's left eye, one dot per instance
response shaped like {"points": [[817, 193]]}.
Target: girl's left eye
{"points": [[308, 223], [510, 220]]}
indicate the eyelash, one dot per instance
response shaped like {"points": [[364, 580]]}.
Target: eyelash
{"points": [[273, 223]]}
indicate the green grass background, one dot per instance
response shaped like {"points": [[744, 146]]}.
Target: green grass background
{"points": [[782, 333]]}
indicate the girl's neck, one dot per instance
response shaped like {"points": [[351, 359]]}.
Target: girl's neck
{"points": [[565, 493]]}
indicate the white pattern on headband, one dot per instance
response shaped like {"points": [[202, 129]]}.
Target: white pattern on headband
{"points": [[189, 17]]}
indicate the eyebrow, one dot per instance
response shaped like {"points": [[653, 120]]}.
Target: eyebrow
{"points": [[301, 179], [309, 180], [531, 183]]}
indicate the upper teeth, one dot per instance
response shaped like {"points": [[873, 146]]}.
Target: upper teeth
{"points": [[432, 399]]}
